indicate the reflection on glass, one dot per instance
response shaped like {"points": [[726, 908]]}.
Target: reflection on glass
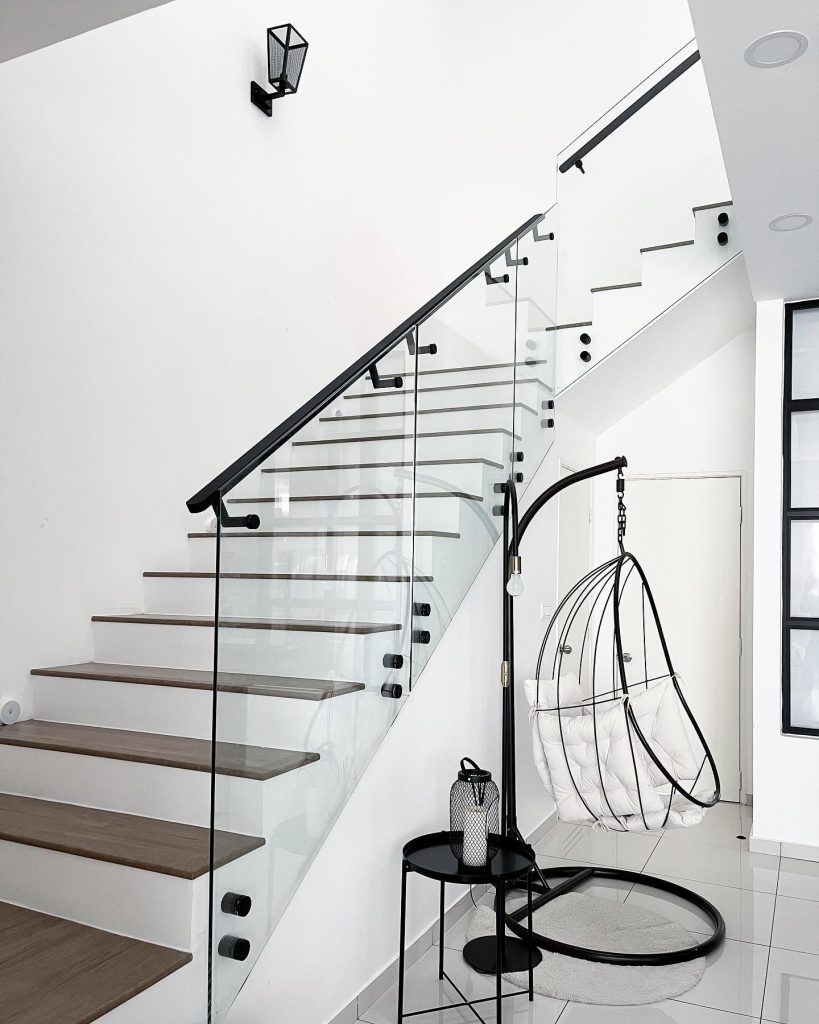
{"points": [[805, 460], [804, 645], [805, 569], [805, 376]]}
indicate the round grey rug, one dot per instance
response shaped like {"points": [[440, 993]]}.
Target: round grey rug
{"points": [[602, 924]]}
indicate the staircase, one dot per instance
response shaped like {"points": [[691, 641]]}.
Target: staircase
{"points": [[669, 273], [153, 826]]}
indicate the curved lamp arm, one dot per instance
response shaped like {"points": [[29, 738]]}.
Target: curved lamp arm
{"points": [[514, 527]]}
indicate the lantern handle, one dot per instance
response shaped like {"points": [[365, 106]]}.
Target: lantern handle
{"points": [[468, 760]]}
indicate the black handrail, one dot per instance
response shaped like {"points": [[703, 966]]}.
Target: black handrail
{"points": [[209, 495], [575, 160]]}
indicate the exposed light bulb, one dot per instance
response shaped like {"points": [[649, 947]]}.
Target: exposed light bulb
{"points": [[514, 585]]}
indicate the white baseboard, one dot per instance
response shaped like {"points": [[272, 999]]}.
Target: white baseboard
{"points": [[796, 851], [389, 976]]}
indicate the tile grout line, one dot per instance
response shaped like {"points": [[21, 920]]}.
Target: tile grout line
{"points": [[770, 943], [565, 1008]]}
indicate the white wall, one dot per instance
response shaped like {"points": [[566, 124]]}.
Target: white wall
{"points": [[702, 423], [178, 272], [786, 768]]}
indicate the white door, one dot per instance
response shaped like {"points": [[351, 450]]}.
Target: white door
{"points": [[685, 532], [574, 533]]}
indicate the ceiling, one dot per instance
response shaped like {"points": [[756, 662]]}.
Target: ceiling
{"points": [[27, 25], [769, 131]]}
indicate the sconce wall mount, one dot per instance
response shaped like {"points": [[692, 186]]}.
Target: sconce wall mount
{"points": [[286, 50]]}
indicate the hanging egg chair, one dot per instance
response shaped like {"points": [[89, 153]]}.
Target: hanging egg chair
{"points": [[614, 739]]}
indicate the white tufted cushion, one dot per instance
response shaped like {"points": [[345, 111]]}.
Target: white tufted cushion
{"points": [[597, 769]]}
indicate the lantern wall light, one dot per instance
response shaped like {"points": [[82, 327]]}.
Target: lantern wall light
{"points": [[286, 50]]}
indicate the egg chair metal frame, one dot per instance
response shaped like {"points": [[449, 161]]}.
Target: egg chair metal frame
{"points": [[554, 882]]}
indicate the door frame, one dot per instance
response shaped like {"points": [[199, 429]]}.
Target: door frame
{"points": [[745, 640]]}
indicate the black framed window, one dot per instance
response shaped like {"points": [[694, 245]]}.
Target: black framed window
{"points": [[800, 540]]}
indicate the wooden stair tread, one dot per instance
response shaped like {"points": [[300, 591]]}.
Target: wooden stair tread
{"points": [[150, 844], [384, 465], [235, 759], [53, 970], [529, 361], [425, 412], [332, 577], [448, 387], [255, 534], [712, 206], [406, 437], [355, 497], [617, 287], [292, 625], [668, 245], [200, 679], [565, 327]]}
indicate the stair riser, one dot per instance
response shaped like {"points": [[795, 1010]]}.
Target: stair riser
{"points": [[173, 794], [280, 652], [534, 368], [347, 554], [349, 448], [178, 999], [382, 514], [707, 227], [470, 478], [385, 401], [617, 314], [170, 710], [670, 273], [142, 904], [468, 419], [375, 602]]}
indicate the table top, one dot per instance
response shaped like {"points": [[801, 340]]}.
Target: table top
{"points": [[432, 855]]}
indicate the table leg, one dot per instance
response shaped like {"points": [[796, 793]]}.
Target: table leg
{"points": [[441, 934], [531, 943], [404, 873], [499, 933]]}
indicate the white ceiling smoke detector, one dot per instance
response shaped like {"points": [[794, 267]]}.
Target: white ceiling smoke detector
{"points": [[776, 48]]}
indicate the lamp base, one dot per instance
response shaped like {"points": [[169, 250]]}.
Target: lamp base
{"points": [[482, 955]]}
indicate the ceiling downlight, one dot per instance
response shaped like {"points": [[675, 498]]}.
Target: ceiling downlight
{"points": [[790, 222], [776, 49]]}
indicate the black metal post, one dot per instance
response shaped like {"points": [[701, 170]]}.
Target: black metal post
{"points": [[441, 934], [403, 931], [530, 944], [500, 929]]}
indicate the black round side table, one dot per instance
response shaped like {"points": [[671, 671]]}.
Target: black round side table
{"points": [[432, 857]]}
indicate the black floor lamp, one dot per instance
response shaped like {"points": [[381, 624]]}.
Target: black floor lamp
{"points": [[481, 953]]}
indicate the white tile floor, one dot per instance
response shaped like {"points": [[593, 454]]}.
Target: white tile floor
{"points": [[768, 969]]}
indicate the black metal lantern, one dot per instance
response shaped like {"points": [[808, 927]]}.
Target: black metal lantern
{"points": [[473, 815], [286, 50]]}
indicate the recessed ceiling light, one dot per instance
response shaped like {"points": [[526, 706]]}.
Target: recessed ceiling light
{"points": [[790, 222], [775, 49]]}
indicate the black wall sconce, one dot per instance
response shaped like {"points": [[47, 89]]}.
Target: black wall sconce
{"points": [[286, 50]]}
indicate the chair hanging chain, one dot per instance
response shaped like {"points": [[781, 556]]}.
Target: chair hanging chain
{"points": [[621, 508]]}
